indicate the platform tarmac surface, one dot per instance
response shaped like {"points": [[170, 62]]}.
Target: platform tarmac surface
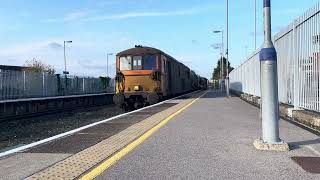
{"points": [[208, 138], [212, 139], [71, 156]]}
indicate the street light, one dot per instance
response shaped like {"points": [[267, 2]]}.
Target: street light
{"points": [[65, 60], [221, 52], [108, 54], [269, 90], [255, 24], [227, 50]]}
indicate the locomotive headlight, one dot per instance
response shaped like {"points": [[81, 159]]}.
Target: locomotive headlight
{"points": [[136, 88]]}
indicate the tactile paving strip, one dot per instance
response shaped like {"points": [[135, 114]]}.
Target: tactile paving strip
{"points": [[74, 166], [91, 136], [309, 164]]}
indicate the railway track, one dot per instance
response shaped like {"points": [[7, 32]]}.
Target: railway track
{"points": [[25, 130], [22, 131], [51, 112], [33, 107]]}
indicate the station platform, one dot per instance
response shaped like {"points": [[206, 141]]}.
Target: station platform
{"points": [[201, 136]]}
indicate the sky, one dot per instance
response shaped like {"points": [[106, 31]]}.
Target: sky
{"points": [[182, 29]]}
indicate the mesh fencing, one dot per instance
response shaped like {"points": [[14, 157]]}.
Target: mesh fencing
{"points": [[298, 51], [24, 84]]}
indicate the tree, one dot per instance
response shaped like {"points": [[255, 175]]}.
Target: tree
{"points": [[35, 65], [216, 71]]}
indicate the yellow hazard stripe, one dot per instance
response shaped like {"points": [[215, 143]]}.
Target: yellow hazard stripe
{"points": [[116, 157]]}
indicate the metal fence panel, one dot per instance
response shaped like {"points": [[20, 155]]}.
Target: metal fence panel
{"points": [[23, 84], [298, 48], [246, 77]]}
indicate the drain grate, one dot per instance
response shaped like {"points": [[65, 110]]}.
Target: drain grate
{"points": [[309, 164]]}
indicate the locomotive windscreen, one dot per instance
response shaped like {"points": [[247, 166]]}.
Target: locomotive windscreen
{"points": [[146, 62], [125, 63], [149, 62], [137, 63]]}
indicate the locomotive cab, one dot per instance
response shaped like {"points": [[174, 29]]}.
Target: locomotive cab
{"points": [[138, 78], [145, 75]]}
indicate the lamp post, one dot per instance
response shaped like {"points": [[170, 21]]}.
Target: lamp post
{"points": [[269, 90], [65, 59], [255, 24], [227, 51], [221, 53], [108, 54]]}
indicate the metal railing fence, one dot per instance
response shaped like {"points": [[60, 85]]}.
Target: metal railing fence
{"points": [[24, 84], [298, 49]]}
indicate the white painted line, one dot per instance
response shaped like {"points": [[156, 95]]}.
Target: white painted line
{"points": [[22, 148], [313, 150]]}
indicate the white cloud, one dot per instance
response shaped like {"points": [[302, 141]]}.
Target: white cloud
{"points": [[17, 55], [22, 49], [90, 64], [109, 3], [55, 46], [141, 14], [85, 57], [31, 48], [84, 15], [75, 16]]}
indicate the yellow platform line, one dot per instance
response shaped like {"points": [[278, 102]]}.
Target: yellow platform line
{"points": [[119, 155]]}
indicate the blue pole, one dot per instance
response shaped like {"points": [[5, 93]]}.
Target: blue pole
{"points": [[269, 84], [269, 90]]}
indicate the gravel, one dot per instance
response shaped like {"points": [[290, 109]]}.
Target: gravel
{"points": [[18, 132]]}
